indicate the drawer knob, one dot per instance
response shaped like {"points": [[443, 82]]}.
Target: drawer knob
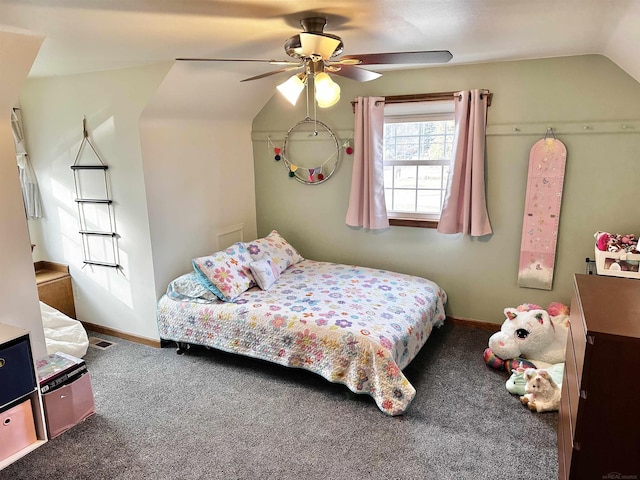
{"points": [[2, 362], [6, 422]]}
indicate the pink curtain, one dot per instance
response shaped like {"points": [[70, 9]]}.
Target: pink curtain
{"points": [[367, 207], [465, 205]]}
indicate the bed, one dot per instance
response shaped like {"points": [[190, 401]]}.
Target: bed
{"points": [[352, 325]]}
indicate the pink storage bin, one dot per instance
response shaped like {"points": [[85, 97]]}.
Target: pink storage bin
{"points": [[68, 405], [17, 429]]}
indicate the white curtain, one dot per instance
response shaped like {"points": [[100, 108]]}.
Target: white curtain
{"points": [[367, 207], [28, 181], [465, 206]]}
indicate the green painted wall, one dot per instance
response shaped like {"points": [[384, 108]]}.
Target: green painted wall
{"points": [[593, 107]]}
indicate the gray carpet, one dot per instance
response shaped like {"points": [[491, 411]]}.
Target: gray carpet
{"points": [[212, 415]]}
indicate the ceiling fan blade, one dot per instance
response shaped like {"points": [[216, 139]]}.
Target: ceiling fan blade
{"points": [[356, 73], [396, 58], [272, 62], [287, 69]]}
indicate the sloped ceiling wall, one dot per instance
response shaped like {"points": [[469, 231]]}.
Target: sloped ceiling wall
{"points": [[623, 46], [198, 163]]}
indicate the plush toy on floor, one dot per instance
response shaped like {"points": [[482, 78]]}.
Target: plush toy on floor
{"points": [[542, 393], [517, 382], [529, 337]]}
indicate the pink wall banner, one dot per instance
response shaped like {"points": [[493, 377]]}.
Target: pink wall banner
{"points": [[547, 161]]}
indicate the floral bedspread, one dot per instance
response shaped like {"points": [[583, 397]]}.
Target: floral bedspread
{"points": [[352, 325]]}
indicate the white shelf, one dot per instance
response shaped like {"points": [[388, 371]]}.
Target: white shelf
{"points": [[7, 334], [18, 455]]}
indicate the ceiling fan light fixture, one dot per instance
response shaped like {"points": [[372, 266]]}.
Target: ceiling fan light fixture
{"points": [[292, 88], [321, 44], [327, 91]]}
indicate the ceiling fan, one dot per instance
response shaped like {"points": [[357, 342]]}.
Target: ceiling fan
{"points": [[315, 53]]}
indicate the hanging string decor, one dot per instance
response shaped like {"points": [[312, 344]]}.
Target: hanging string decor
{"points": [[348, 148], [310, 152]]}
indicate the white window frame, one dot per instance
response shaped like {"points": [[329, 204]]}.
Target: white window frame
{"points": [[410, 113]]}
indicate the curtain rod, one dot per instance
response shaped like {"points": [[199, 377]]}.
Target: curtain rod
{"points": [[425, 97]]}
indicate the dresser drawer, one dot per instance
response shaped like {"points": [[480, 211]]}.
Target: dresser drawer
{"points": [[577, 336], [16, 370], [565, 435], [571, 384]]}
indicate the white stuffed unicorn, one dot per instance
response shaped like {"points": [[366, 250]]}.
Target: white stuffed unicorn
{"points": [[530, 333]]}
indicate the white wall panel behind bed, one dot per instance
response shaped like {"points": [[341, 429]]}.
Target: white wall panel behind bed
{"points": [[229, 236]]}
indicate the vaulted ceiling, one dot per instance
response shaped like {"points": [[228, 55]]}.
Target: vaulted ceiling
{"points": [[93, 35]]}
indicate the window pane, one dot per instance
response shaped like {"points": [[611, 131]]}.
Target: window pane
{"points": [[429, 201], [389, 130], [417, 188], [430, 176], [429, 128], [450, 131], [404, 177], [407, 129], [388, 198], [404, 201], [433, 148], [407, 148], [388, 177]]}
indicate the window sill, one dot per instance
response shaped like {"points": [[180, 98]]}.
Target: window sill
{"points": [[412, 222]]}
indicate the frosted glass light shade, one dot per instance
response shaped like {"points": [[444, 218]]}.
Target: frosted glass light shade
{"points": [[314, 44], [327, 91], [291, 89]]}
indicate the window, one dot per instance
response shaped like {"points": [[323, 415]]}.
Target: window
{"points": [[418, 144]]}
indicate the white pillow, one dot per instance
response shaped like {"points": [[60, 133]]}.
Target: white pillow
{"points": [[276, 248], [265, 273]]}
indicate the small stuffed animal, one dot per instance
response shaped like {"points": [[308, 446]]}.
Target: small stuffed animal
{"points": [[517, 383], [543, 394]]}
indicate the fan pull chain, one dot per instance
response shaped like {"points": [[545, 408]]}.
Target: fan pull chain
{"points": [[306, 86], [315, 109]]}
